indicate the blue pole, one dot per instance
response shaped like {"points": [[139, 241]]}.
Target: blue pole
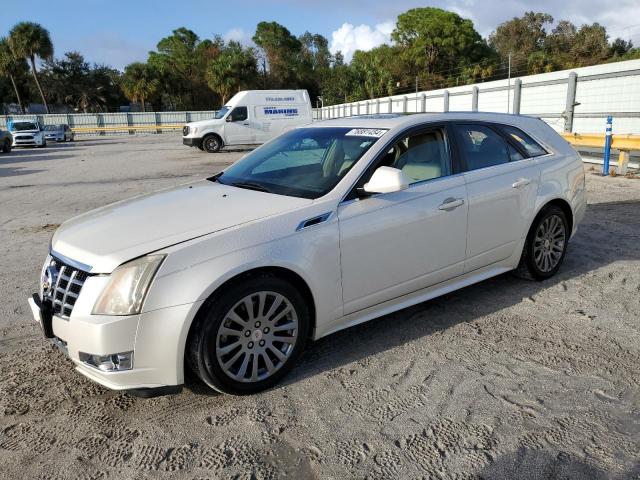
{"points": [[607, 146]]}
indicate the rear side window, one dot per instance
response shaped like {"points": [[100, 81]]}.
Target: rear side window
{"points": [[532, 147], [481, 147]]}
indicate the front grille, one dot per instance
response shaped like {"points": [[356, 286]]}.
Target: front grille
{"points": [[25, 137], [67, 288], [185, 130]]}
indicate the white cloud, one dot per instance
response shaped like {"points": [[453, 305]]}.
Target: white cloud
{"points": [[349, 38], [238, 35]]}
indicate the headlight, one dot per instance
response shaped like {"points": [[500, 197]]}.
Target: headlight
{"points": [[127, 287]]}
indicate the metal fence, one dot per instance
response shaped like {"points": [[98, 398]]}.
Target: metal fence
{"points": [[116, 123], [577, 100]]}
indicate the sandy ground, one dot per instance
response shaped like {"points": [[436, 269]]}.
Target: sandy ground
{"points": [[506, 379]]}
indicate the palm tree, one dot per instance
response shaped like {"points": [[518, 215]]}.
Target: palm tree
{"points": [[30, 40], [139, 82], [9, 67]]}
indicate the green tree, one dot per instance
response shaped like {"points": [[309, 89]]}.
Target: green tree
{"points": [[314, 62], [181, 61], [281, 51], [521, 37], [620, 47], [433, 39], [591, 45], [29, 40], [232, 70], [139, 83], [11, 68]]}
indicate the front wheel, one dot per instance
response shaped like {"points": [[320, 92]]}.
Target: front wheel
{"points": [[250, 337], [6, 148], [546, 244], [211, 144]]}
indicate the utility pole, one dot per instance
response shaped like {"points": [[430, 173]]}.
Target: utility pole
{"points": [[509, 87]]}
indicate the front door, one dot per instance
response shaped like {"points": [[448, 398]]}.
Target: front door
{"points": [[396, 243], [237, 130]]}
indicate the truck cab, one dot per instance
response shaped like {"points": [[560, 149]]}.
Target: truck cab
{"points": [[250, 118]]}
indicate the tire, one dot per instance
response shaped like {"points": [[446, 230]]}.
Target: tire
{"points": [[546, 245], [6, 148], [226, 362], [211, 144]]}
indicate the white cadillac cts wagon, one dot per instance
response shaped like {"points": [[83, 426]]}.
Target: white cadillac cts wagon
{"points": [[324, 227]]}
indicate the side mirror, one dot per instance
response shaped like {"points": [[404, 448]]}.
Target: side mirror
{"points": [[229, 118], [386, 180]]}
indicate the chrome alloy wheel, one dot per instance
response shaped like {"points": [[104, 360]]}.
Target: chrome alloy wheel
{"points": [[257, 336], [548, 243]]}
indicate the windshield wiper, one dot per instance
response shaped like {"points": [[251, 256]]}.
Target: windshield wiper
{"points": [[251, 186], [215, 177]]}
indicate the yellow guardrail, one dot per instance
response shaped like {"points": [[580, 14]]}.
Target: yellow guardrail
{"points": [[122, 128], [618, 142], [624, 143]]}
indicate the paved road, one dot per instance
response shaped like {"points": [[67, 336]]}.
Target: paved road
{"points": [[505, 379]]}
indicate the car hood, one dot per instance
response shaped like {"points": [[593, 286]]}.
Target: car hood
{"points": [[18, 132], [111, 235], [206, 123]]}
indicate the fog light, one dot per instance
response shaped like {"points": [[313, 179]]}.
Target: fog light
{"points": [[109, 363]]}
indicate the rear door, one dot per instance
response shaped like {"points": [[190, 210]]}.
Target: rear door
{"points": [[502, 184], [237, 130]]}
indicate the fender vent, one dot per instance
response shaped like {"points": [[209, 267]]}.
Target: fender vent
{"points": [[310, 222]]}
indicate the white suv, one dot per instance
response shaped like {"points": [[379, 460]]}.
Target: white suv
{"points": [[322, 228], [28, 133]]}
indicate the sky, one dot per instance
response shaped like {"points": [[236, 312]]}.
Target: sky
{"points": [[118, 32]]}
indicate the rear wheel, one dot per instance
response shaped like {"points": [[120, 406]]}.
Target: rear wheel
{"points": [[211, 143], [250, 337], [546, 245]]}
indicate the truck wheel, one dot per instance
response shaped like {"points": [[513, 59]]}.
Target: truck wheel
{"points": [[6, 148], [211, 143]]}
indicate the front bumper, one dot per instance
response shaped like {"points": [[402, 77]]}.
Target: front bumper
{"points": [[157, 339], [27, 142], [192, 142]]}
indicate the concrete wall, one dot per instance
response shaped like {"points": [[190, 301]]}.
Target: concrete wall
{"points": [[600, 90]]}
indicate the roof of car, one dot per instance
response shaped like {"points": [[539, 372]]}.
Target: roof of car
{"points": [[404, 120]]}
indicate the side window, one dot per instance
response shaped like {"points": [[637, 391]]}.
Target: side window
{"points": [[239, 114], [481, 147], [423, 156], [514, 155], [532, 147]]}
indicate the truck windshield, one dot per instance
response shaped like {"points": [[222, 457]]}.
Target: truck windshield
{"points": [[221, 113], [18, 127], [305, 162]]}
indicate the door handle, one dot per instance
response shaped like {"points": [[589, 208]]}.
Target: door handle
{"points": [[521, 182], [245, 124], [451, 204]]}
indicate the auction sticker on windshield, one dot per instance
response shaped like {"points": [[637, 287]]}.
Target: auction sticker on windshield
{"points": [[366, 132]]}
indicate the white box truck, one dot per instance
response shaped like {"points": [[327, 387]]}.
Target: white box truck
{"points": [[251, 117]]}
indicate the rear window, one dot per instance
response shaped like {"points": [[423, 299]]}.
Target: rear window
{"points": [[533, 148]]}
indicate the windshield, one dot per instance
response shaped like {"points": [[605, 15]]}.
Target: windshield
{"points": [[18, 127], [52, 128], [221, 113], [305, 162]]}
